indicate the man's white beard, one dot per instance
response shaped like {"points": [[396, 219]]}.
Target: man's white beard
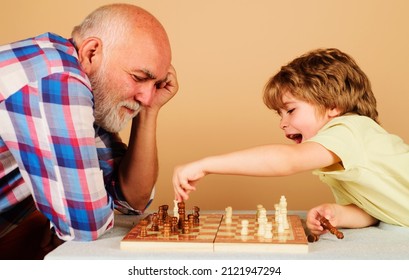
{"points": [[107, 107], [111, 120]]}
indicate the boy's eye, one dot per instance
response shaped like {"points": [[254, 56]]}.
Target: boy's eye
{"points": [[290, 111]]}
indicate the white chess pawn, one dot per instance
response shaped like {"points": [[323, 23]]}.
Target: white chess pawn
{"points": [[244, 227], [283, 202], [261, 229], [175, 209], [259, 207], [277, 212], [262, 220], [262, 217], [286, 225], [283, 211], [280, 228], [268, 234], [229, 213]]}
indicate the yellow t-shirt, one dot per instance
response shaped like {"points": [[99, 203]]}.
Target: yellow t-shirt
{"points": [[374, 174]]}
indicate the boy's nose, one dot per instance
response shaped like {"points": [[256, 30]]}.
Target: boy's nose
{"points": [[283, 123]]}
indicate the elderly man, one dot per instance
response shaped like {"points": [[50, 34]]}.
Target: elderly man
{"points": [[62, 104]]}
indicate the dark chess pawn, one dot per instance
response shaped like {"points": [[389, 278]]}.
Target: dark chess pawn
{"points": [[181, 205], [174, 228], [143, 232], [182, 214], [165, 208], [185, 228], [196, 214], [327, 225], [155, 222], [191, 220], [161, 215], [313, 238], [166, 229]]}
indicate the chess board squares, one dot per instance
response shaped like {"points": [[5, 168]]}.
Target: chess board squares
{"points": [[230, 239], [213, 234]]}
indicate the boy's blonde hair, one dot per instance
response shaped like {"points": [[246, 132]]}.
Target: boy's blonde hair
{"points": [[327, 78]]}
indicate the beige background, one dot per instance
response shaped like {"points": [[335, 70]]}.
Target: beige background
{"points": [[224, 52]]}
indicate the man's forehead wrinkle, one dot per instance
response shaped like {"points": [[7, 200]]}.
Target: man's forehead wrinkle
{"points": [[153, 77], [149, 74]]}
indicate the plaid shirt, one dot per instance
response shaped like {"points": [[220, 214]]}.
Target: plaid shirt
{"points": [[52, 157]]}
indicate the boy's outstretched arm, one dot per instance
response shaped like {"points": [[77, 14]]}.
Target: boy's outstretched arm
{"points": [[269, 160]]}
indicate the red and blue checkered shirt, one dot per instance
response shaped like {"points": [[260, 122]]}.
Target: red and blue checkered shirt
{"points": [[52, 157]]}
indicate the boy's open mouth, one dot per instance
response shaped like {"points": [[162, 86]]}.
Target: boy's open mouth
{"points": [[297, 138]]}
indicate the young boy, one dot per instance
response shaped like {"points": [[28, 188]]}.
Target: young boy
{"points": [[328, 109]]}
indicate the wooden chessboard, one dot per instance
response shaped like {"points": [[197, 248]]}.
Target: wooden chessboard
{"points": [[229, 238], [213, 234]]}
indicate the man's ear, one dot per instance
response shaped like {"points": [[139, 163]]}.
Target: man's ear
{"points": [[90, 54]]}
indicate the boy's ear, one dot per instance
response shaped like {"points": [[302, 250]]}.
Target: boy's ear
{"points": [[90, 54], [334, 112]]}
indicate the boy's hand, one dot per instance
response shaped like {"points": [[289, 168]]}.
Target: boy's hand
{"points": [[185, 179], [313, 218]]}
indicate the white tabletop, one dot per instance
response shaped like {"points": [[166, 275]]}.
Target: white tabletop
{"points": [[382, 242]]}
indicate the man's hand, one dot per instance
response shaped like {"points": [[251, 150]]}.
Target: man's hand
{"points": [[166, 90]]}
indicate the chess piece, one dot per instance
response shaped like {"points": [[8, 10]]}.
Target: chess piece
{"points": [[144, 225], [259, 207], [313, 238], [280, 228], [277, 212], [165, 211], [268, 234], [261, 229], [262, 220], [244, 227], [161, 215], [283, 202], [283, 211], [327, 225], [175, 209], [196, 214], [262, 216], [166, 228], [191, 220], [174, 227], [229, 213], [181, 205], [155, 222], [185, 227], [181, 211]]}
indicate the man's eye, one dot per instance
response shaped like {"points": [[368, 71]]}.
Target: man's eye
{"points": [[158, 85], [139, 79]]}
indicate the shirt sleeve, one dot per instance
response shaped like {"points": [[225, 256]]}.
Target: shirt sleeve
{"points": [[54, 147], [110, 150], [342, 139]]}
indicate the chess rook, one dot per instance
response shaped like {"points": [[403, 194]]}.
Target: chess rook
{"points": [[313, 238], [327, 225]]}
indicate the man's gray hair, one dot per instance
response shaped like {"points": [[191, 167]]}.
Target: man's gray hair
{"points": [[108, 23]]}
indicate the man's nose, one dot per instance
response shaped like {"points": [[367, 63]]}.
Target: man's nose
{"points": [[145, 94]]}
